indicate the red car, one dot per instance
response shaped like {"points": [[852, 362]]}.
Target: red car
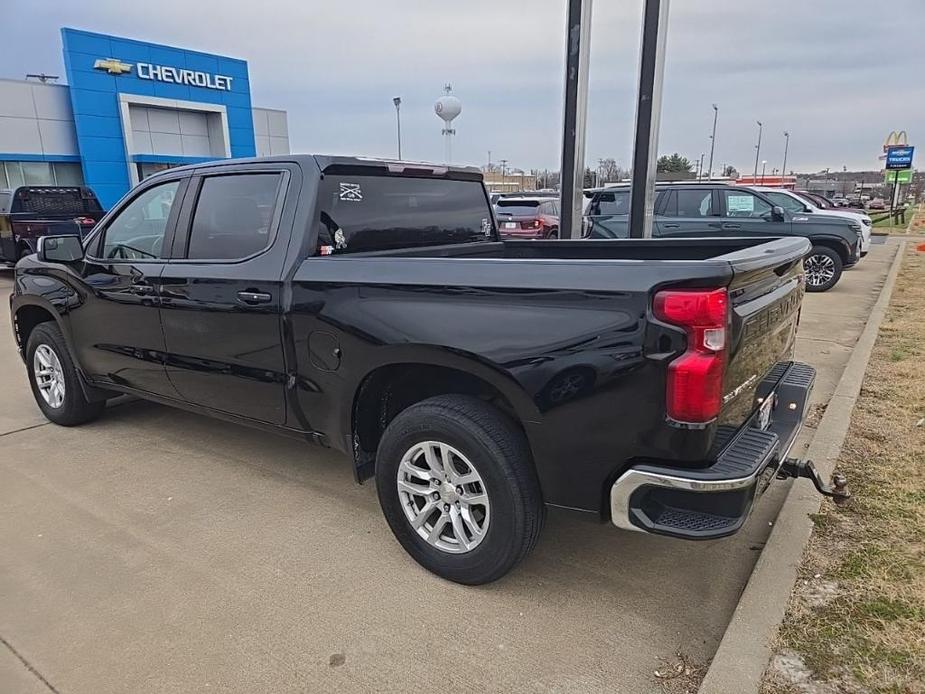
{"points": [[528, 217], [28, 212]]}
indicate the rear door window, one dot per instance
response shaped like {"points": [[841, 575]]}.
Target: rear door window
{"points": [[376, 213], [233, 216]]}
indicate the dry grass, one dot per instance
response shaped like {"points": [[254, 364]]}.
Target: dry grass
{"points": [[856, 620]]}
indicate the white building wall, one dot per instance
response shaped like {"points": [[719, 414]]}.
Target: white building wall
{"points": [[271, 132], [36, 119]]}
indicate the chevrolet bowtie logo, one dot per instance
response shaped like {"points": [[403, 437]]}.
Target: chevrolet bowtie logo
{"points": [[112, 66]]}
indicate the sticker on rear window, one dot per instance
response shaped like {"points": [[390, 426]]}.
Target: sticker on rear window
{"points": [[351, 192]]}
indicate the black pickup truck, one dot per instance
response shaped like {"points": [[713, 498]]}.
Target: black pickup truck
{"points": [[29, 212], [369, 306]]}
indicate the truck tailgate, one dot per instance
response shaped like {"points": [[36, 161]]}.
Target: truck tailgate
{"points": [[765, 308]]}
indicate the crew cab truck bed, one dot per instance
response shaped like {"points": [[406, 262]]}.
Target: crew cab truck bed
{"points": [[370, 307]]}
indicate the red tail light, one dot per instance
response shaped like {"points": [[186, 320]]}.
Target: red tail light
{"points": [[534, 224], [695, 379], [85, 221]]}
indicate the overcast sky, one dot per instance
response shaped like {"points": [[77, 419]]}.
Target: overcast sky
{"points": [[838, 74]]}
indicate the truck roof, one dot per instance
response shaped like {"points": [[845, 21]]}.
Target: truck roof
{"points": [[326, 162]]}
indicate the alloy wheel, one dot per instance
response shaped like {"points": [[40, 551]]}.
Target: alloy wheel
{"points": [[49, 376], [443, 497], [820, 269]]}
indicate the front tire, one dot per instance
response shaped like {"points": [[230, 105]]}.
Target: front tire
{"points": [[54, 380], [823, 268], [457, 486]]}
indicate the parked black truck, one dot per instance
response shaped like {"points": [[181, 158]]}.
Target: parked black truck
{"points": [[29, 212], [369, 306]]}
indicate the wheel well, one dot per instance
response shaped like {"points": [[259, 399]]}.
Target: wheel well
{"points": [[833, 246], [27, 318], [390, 389]]}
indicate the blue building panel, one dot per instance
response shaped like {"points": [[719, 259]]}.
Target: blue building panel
{"points": [[99, 68]]}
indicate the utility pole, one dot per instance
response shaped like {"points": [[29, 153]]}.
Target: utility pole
{"points": [[764, 165], [757, 151], [783, 171], [713, 141], [489, 160], [648, 116], [397, 101], [577, 57], [503, 170], [700, 168]]}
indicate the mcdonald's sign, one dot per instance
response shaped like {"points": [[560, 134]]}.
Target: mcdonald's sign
{"points": [[895, 139]]}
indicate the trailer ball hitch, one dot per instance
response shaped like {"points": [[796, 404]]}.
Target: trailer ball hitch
{"points": [[793, 467]]}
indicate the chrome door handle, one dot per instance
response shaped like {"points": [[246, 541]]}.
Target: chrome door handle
{"points": [[672, 226], [732, 226], [252, 297]]}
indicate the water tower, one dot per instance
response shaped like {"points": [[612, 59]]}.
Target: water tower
{"points": [[448, 107]]}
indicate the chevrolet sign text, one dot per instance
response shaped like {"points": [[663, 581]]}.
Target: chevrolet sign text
{"points": [[192, 78]]}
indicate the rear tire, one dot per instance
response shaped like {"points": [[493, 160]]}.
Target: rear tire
{"points": [[54, 379], [489, 460], [823, 268]]}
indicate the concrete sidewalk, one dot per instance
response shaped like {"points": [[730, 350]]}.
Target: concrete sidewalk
{"points": [[160, 551]]}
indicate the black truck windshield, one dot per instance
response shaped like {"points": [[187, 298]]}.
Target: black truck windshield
{"points": [[376, 213]]}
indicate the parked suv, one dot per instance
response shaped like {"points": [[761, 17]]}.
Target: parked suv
{"points": [[717, 209], [798, 203], [29, 212], [528, 217]]}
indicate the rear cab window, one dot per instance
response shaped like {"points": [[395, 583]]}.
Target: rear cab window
{"points": [[360, 213]]}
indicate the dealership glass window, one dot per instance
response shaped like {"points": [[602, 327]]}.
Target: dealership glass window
{"points": [[37, 173], [233, 216], [68, 174], [138, 230]]}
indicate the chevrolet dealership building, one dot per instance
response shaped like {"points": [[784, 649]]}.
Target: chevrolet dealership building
{"points": [[130, 109]]}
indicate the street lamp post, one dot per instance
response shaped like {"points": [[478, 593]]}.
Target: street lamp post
{"points": [[764, 165], [712, 141], [397, 101], [700, 167], [783, 171], [757, 151]]}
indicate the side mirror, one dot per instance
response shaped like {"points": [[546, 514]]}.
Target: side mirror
{"points": [[60, 249], [777, 213]]}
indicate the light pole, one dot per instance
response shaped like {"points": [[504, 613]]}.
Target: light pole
{"points": [[700, 167], [713, 141], [783, 171], [764, 164], [757, 151], [397, 101]]}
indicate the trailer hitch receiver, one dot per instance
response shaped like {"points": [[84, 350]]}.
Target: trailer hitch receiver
{"points": [[793, 467]]}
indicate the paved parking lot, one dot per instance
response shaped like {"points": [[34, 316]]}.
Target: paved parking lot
{"points": [[156, 550]]}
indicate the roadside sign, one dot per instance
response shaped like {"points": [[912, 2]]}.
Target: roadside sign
{"points": [[899, 157], [903, 176]]}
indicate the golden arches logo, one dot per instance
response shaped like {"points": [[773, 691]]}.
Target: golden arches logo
{"points": [[895, 139]]}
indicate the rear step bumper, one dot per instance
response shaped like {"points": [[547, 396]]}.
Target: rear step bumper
{"points": [[707, 503]]}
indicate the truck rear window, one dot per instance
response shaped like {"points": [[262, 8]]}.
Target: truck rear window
{"points": [[54, 201], [375, 213]]}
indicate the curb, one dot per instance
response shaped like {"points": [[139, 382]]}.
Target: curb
{"points": [[745, 650]]}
